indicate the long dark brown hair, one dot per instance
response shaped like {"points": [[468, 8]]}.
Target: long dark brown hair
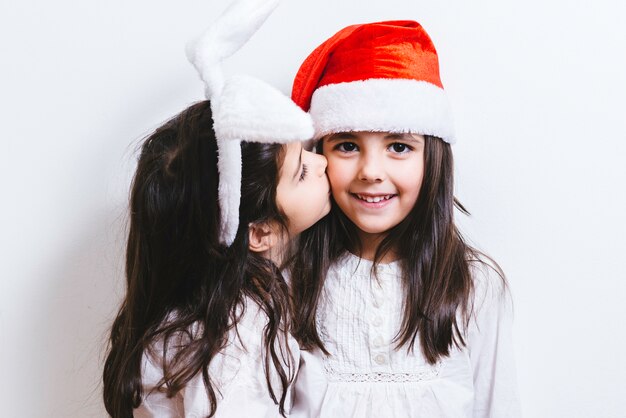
{"points": [[437, 279], [185, 291]]}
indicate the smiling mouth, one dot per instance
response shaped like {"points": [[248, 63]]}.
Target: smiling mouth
{"points": [[373, 199]]}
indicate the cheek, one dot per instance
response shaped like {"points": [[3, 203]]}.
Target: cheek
{"points": [[338, 173], [412, 181]]}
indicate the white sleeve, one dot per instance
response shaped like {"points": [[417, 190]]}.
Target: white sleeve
{"points": [[311, 385], [490, 345]]}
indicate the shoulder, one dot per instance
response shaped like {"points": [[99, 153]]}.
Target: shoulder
{"points": [[490, 319], [243, 340], [239, 362], [250, 320], [247, 336], [489, 284]]}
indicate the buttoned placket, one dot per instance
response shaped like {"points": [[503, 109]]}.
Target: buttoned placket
{"points": [[378, 345]]}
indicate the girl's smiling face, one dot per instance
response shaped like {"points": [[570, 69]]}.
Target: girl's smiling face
{"points": [[375, 177], [303, 191]]}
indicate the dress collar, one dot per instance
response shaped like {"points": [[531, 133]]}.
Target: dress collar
{"points": [[362, 267]]}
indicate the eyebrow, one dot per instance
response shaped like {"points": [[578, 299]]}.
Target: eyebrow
{"points": [[341, 136], [299, 164], [402, 136]]}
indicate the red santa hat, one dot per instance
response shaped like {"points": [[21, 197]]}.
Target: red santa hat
{"points": [[375, 77]]}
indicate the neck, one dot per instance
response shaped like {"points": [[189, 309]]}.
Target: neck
{"points": [[278, 252], [369, 245]]}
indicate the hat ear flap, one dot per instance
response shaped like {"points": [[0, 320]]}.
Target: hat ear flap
{"points": [[244, 109], [253, 111]]}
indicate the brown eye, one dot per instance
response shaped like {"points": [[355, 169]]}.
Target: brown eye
{"points": [[346, 147], [400, 148]]}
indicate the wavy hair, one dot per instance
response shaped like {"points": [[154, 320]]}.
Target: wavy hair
{"points": [[183, 288]]}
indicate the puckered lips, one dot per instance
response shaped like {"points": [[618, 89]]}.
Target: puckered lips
{"points": [[374, 200]]}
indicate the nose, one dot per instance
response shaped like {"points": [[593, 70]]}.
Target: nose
{"points": [[320, 163], [371, 169]]}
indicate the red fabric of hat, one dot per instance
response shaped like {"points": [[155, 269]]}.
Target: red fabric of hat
{"points": [[393, 49]]}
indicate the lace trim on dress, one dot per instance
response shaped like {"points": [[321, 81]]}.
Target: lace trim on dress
{"points": [[383, 377]]}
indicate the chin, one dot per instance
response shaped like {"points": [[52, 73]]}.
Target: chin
{"points": [[327, 210], [371, 229]]}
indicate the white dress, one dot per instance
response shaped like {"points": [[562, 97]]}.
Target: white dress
{"points": [[237, 372], [365, 376]]}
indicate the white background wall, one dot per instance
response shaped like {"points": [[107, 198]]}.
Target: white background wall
{"points": [[538, 92]]}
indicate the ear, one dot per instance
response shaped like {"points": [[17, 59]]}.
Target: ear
{"points": [[262, 237]]}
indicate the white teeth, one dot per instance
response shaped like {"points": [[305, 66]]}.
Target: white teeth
{"points": [[375, 199]]}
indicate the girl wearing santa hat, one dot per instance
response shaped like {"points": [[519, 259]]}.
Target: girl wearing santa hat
{"points": [[203, 329], [400, 317]]}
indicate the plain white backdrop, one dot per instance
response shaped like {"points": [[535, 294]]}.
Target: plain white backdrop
{"points": [[537, 88]]}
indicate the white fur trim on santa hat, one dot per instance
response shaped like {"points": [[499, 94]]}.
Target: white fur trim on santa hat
{"points": [[252, 110], [382, 105]]}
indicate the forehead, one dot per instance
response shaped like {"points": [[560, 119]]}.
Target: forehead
{"points": [[291, 157]]}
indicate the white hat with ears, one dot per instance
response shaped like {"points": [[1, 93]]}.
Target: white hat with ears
{"points": [[244, 108]]}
